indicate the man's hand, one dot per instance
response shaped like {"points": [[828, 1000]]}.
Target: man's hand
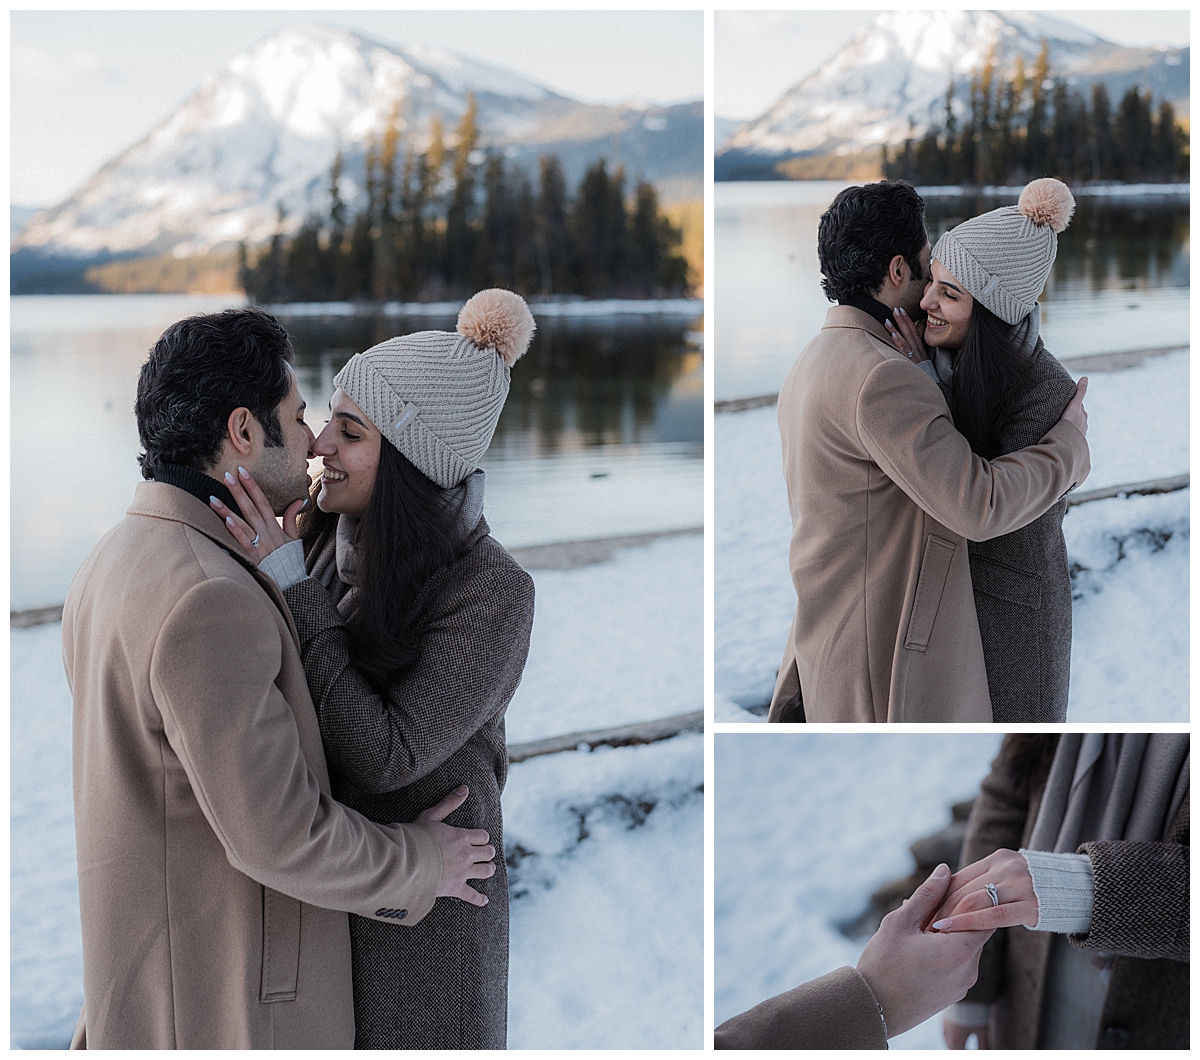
{"points": [[1075, 412], [466, 852], [956, 1034], [968, 907], [910, 972]]}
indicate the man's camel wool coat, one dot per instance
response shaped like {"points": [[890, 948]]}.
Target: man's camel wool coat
{"points": [[215, 870], [884, 495]]}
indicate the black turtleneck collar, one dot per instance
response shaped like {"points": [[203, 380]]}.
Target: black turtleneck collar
{"points": [[869, 305], [197, 483]]}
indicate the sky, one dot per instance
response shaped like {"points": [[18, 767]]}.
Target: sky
{"points": [[761, 54], [86, 85]]}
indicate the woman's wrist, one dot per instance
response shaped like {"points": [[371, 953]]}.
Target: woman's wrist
{"points": [[285, 565], [1065, 888]]}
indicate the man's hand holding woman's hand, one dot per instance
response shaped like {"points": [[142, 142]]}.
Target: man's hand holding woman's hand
{"points": [[259, 531], [914, 973], [968, 907]]}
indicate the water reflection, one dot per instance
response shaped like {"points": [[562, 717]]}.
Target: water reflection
{"points": [[1111, 244], [582, 383]]}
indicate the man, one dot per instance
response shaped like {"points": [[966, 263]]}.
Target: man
{"points": [[884, 492], [215, 871]]}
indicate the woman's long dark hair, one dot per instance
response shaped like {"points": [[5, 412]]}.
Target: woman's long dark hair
{"points": [[410, 530], [988, 373]]}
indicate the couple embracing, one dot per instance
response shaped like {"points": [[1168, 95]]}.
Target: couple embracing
{"points": [[927, 467], [275, 726]]}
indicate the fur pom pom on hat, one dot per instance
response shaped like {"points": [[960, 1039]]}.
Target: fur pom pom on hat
{"points": [[1003, 257], [437, 395], [1047, 202], [498, 320]]}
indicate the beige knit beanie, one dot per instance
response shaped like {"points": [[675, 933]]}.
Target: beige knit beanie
{"points": [[437, 395], [1003, 257]]}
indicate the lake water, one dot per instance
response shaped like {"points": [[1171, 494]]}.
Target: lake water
{"points": [[602, 434], [1120, 282]]}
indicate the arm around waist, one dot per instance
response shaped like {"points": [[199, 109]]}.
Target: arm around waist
{"points": [[213, 674]]}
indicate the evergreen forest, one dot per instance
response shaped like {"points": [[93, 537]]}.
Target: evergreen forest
{"points": [[449, 220], [1034, 124]]}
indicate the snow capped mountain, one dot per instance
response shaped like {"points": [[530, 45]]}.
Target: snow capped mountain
{"points": [[265, 131], [892, 78]]}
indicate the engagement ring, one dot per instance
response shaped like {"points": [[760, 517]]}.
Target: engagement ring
{"points": [[254, 544], [991, 890]]}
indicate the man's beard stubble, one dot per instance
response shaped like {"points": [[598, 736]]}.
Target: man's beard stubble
{"points": [[280, 482]]}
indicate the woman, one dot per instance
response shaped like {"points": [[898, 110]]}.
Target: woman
{"points": [[414, 628], [1102, 881], [1005, 392]]}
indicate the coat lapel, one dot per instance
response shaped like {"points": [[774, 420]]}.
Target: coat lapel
{"points": [[161, 501]]}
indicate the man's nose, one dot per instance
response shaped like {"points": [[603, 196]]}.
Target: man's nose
{"points": [[320, 445]]}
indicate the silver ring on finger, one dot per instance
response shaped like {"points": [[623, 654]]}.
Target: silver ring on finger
{"points": [[911, 352], [254, 544], [991, 892]]}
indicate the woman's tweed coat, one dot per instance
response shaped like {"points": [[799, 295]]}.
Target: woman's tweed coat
{"points": [[1021, 580], [1140, 913], [440, 723]]}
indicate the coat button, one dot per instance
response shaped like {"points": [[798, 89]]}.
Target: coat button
{"points": [[402, 914], [381, 912], [1116, 1035]]}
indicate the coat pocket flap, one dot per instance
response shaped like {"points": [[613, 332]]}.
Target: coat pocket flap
{"points": [[281, 946], [1006, 583], [931, 582]]}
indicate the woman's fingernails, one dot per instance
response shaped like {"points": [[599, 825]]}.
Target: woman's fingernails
{"points": [[213, 500], [229, 478], [941, 925], [941, 871], [229, 519], [899, 311], [243, 472]]}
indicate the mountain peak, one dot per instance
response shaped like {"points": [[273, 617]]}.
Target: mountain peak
{"points": [[263, 133]]}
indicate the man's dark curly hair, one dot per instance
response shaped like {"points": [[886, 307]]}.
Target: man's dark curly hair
{"points": [[863, 229], [198, 372]]}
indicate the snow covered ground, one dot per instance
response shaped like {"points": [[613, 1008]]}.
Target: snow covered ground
{"points": [[607, 915], [806, 827], [1130, 642]]}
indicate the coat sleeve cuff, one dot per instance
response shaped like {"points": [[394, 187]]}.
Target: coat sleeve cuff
{"points": [[285, 565], [836, 1011], [415, 899], [1065, 890]]}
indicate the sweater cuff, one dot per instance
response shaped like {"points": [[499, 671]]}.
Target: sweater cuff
{"points": [[1065, 890], [928, 368], [969, 1013], [285, 565]]}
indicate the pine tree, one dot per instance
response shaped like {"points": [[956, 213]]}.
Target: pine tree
{"points": [[552, 236], [460, 233]]}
